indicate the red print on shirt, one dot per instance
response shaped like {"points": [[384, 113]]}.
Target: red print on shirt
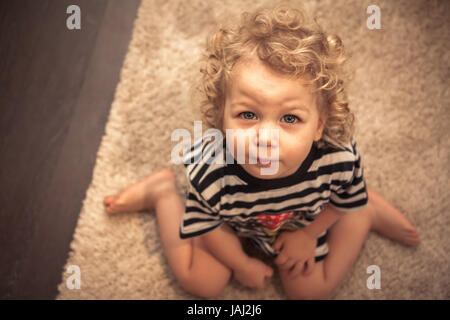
{"points": [[273, 221]]}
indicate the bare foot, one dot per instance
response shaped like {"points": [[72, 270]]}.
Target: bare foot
{"points": [[390, 222], [143, 194]]}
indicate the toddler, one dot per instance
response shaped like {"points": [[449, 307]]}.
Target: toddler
{"points": [[274, 73]]}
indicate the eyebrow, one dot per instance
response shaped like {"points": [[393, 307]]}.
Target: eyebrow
{"points": [[300, 107], [297, 106]]}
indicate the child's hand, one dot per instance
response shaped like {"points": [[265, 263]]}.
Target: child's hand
{"points": [[296, 249], [253, 273]]}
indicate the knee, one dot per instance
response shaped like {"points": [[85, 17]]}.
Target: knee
{"points": [[307, 290], [202, 288], [315, 294]]}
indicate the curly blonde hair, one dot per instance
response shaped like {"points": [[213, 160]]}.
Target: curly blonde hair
{"points": [[281, 38]]}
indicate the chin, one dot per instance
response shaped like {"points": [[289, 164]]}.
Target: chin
{"points": [[256, 172]]}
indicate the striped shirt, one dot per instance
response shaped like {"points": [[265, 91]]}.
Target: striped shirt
{"points": [[263, 208]]}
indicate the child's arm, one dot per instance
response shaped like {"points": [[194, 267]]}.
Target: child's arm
{"points": [[224, 244], [324, 220]]}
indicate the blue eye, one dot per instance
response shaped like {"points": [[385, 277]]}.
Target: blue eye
{"points": [[290, 118], [247, 115]]}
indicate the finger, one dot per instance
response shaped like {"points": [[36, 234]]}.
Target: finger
{"points": [[281, 259], [309, 267], [278, 244], [288, 264], [297, 269]]}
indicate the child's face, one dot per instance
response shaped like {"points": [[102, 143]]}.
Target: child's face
{"points": [[260, 98]]}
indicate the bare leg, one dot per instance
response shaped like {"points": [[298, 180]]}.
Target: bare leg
{"points": [[391, 223], [199, 272], [345, 240]]}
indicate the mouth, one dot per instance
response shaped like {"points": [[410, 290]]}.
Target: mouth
{"points": [[264, 163], [261, 162]]}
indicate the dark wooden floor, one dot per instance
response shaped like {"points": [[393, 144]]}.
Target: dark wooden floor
{"points": [[56, 89]]}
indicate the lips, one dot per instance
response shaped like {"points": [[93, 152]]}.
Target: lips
{"points": [[264, 162]]}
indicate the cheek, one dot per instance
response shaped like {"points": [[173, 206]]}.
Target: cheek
{"points": [[295, 148], [227, 122]]}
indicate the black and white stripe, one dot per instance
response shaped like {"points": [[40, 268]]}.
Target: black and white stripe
{"points": [[219, 192]]}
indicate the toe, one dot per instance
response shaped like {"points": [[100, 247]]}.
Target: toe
{"points": [[111, 209], [413, 238], [416, 240], [108, 200]]}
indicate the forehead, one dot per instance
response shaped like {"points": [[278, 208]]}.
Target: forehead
{"points": [[253, 77]]}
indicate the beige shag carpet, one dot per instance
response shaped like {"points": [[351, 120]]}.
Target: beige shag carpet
{"points": [[400, 94]]}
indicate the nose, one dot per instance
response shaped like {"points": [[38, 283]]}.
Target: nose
{"points": [[267, 135]]}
